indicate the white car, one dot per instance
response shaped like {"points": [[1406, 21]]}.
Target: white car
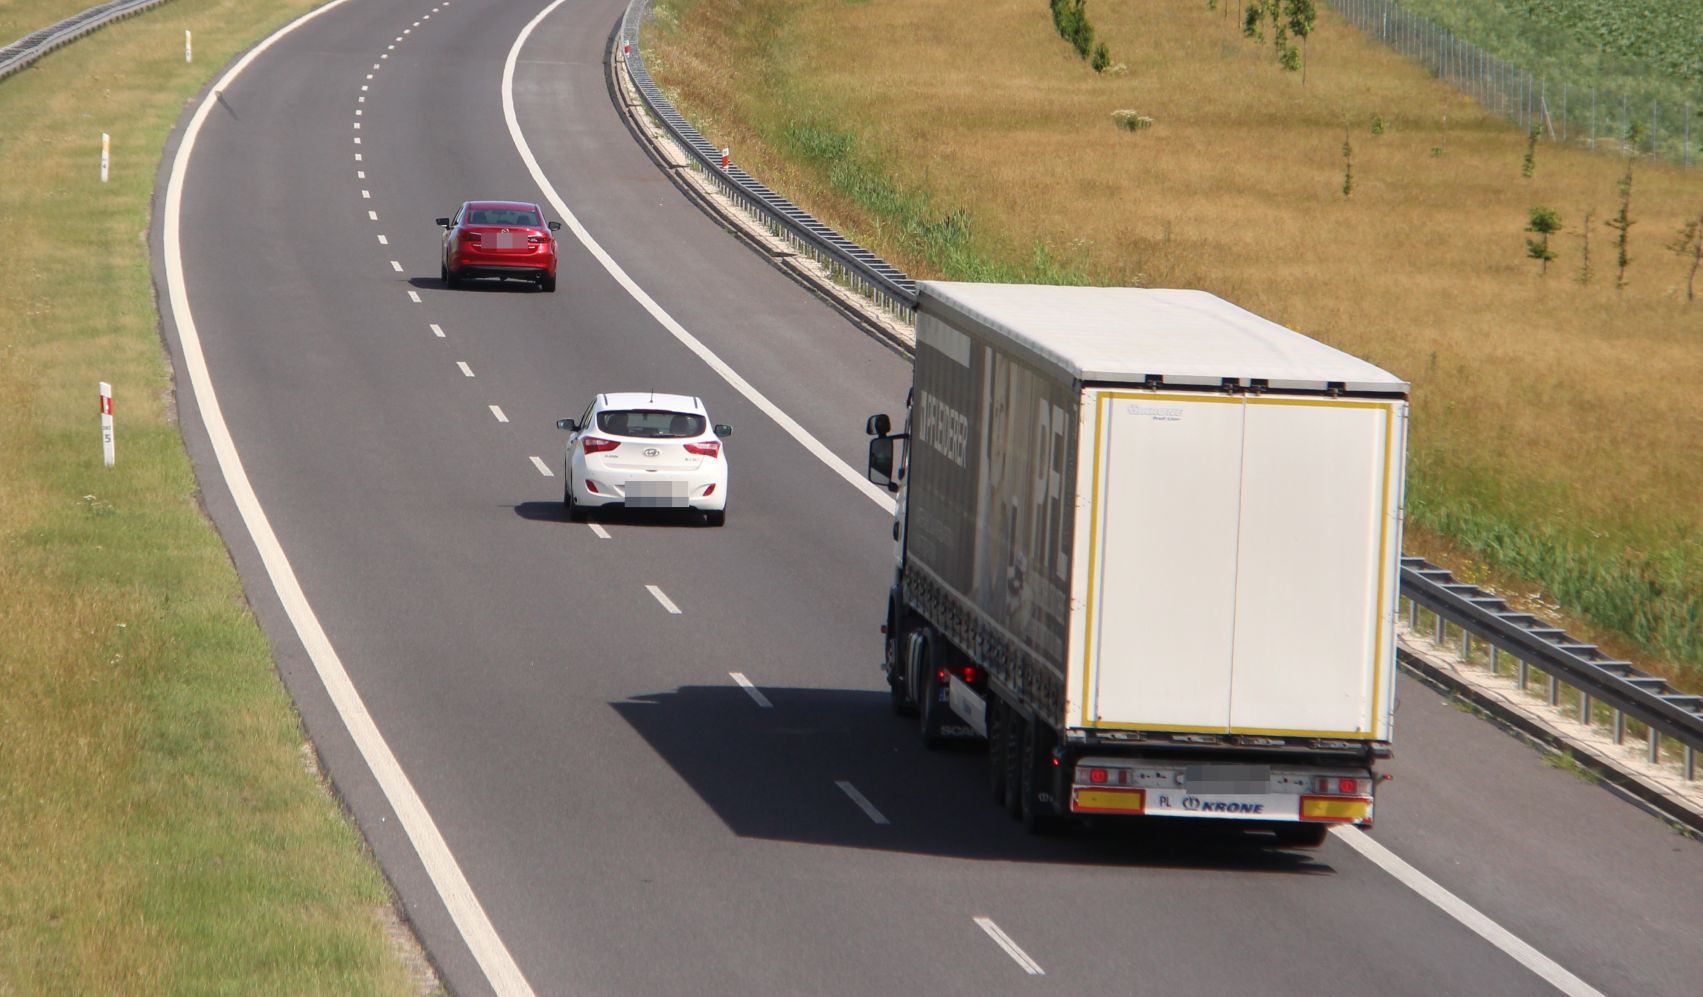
{"points": [[645, 450]]}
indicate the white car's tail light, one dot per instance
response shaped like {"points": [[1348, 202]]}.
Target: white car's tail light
{"points": [[597, 444], [709, 448]]}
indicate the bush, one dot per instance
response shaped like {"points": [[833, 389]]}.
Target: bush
{"points": [[1132, 121]]}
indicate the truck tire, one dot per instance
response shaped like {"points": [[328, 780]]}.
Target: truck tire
{"points": [[931, 712], [898, 637], [1011, 753], [1038, 816], [996, 750], [1302, 835]]}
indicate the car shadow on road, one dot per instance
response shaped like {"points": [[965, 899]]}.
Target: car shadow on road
{"points": [[480, 285], [555, 512], [775, 773]]}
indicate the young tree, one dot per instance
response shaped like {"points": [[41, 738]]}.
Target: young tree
{"points": [[1529, 163], [1301, 15], [1347, 165], [1544, 223], [1585, 272], [1688, 245], [1622, 224]]}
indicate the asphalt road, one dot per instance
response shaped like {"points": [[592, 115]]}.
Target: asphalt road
{"points": [[631, 819]]}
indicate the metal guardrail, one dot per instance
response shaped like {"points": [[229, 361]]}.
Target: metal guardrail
{"points": [[26, 50], [1596, 680], [1617, 687]]}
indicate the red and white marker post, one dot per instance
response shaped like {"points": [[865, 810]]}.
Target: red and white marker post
{"points": [[726, 156], [106, 423], [106, 154]]}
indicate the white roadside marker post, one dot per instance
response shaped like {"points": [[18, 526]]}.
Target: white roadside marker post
{"points": [[188, 47], [106, 424], [106, 154]]}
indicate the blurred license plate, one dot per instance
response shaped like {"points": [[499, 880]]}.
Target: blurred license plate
{"points": [[507, 240], [656, 494]]}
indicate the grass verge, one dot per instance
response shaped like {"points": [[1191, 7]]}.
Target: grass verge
{"points": [[1555, 430], [163, 828]]}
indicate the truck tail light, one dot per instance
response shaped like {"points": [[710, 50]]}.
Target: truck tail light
{"points": [[1337, 785], [969, 674], [597, 444], [708, 448], [1097, 777]]}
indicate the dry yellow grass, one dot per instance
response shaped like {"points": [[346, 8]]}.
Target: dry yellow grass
{"points": [[1537, 400]]}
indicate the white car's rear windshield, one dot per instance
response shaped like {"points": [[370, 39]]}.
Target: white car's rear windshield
{"points": [[650, 424]]}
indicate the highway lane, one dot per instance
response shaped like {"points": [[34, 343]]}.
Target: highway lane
{"points": [[633, 821]]}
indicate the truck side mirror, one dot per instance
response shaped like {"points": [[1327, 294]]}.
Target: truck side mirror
{"points": [[567, 424], [881, 462], [879, 425]]}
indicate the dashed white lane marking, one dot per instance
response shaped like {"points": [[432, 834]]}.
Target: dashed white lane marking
{"points": [[662, 597], [389, 48], [417, 23], [469, 916], [357, 140], [386, 55], [437, 330], [602, 534], [357, 157], [364, 88], [358, 113], [362, 99], [369, 75], [497, 411], [360, 174], [409, 30], [1527, 956], [862, 802], [383, 241], [1004, 941], [372, 216], [468, 371], [751, 690], [414, 296], [375, 66], [366, 195], [357, 125], [810, 443], [543, 468], [394, 265]]}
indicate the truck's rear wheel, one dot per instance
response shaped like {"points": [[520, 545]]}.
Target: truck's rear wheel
{"points": [[931, 713], [1302, 835], [996, 750], [1011, 754], [897, 637], [1038, 815]]}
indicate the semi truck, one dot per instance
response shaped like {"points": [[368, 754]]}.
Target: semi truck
{"points": [[1147, 546]]}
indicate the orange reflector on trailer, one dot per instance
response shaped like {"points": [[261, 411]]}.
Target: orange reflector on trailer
{"points": [[1328, 808], [1107, 801]]}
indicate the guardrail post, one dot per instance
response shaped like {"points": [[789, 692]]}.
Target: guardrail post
{"points": [[1619, 727], [1466, 645], [1584, 707], [1690, 764], [1413, 614], [1495, 659], [1554, 690], [1441, 630], [1525, 674], [1654, 754]]}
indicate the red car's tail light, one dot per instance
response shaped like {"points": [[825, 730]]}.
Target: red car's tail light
{"points": [[469, 237], [597, 444], [536, 239], [711, 448]]}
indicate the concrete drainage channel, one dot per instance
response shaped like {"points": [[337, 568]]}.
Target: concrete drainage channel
{"points": [[1631, 730]]}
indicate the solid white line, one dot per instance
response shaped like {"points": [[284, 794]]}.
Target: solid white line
{"points": [[414, 296], [857, 479], [1529, 957], [383, 241], [437, 330], [1011, 948], [667, 603], [751, 690], [602, 533], [469, 915], [498, 412], [543, 468], [464, 368], [862, 802], [396, 266]]}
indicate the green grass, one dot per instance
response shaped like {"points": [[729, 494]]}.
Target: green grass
{"points": [[163, 828], [20, 17]]}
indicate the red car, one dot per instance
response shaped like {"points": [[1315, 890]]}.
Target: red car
{"points": [[505, 239]]}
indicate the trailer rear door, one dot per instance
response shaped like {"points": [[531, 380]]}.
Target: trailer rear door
{"points": [[1240, 563]]}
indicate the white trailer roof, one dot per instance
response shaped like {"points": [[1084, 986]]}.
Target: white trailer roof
{"points": [[1130, 333]]}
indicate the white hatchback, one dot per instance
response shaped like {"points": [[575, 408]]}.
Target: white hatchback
{"points": [[645, 450]]}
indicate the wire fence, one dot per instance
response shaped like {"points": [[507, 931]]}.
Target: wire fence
{"points": [[1564, 110]]}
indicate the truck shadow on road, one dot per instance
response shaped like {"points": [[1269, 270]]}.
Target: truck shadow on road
{"points": [[775, 773]]}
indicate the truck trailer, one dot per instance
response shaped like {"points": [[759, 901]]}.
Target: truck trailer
{"points": [[1147, 551]]}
